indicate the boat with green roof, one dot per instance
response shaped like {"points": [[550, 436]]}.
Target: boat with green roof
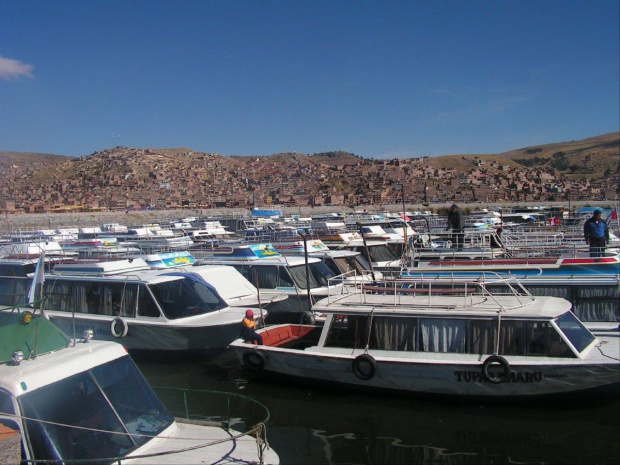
{"points": [[85, 400]]}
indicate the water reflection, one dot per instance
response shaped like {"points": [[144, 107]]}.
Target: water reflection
{"points": [[312, 425]]}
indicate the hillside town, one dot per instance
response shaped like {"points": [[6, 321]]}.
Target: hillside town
{"points": [[124, 179]]}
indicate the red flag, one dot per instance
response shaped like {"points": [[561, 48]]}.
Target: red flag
{"points": [[612, 216], [554, 221]]}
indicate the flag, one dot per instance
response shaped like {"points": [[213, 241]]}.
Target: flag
{"points": [[612, 216], [553, 221], [38, 279]]}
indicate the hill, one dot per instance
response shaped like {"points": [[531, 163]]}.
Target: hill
{"points": [[595, 157], [122, 177]]}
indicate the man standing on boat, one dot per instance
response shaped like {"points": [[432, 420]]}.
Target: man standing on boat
{"points": [[455, 222], [596, 234]]}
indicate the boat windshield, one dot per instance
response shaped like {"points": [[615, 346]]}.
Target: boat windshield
{"points": [[104, 412], [319, 275], [381, 253], [186, 297], [341, 265], [575, 331]]}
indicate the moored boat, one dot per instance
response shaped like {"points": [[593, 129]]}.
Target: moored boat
{"points": [[435, 340], [86, 401], [590, 284], [304, 279], [124, 301]]}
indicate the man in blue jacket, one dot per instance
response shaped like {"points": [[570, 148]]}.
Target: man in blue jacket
{"points": [[596, 233]]}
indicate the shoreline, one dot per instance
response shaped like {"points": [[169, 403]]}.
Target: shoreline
{"points": [[15, 222]]}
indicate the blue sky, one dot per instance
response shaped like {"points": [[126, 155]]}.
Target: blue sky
{"points": [[380, 79]]}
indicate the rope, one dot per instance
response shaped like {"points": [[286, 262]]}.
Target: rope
{"points": [[261, 441], [372, 315], [598, 346], [262, 444]]}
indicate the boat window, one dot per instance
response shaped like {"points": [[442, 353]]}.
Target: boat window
{"points": [[537, 336], [184, 297], [524, 338], [397, 248], [21, 269], [481, 338], [348, 264], [381, 253], [13, 290], [301, 277], [266, 276], [79, 422], [442, 335], [132, 398], [386, 333], [512, 338], [337, 265], [532, 338], [284, 278], [394, 333], [575, 331], [246, 271], [348, 331], [95, 298], [6, 403], [146, 304], [319, 275]]}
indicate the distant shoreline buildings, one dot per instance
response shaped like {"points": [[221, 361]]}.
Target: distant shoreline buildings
{"points": [[126, 179]]}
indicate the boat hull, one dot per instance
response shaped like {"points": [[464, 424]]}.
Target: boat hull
{"points": [[157, 337], [436, 377]]}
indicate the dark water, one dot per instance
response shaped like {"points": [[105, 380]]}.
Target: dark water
{"points": [[312, 425]]}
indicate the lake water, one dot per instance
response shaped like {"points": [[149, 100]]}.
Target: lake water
{"points": [[311, 425]]}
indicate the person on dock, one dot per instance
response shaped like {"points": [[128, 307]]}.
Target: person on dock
{"points": [[596, 233], [248, 329], [455, 222]]}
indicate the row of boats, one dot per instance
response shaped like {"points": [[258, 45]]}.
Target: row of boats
{"points": [[366, 308]]}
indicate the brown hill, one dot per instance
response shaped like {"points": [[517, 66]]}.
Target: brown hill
{"points": [[594, 157], [26, 159], [181, 176]]}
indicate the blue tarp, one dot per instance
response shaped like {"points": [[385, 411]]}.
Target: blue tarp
{"points": [[265, 213]]}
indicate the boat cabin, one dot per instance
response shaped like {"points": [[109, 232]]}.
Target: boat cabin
{"points": [[519, 335], [304, 281], [124, 300]]}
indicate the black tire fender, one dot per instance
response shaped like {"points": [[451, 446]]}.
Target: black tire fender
{"points": [[364, 367], [502, 362], [307, 318], [254, 359], [119, 328]]}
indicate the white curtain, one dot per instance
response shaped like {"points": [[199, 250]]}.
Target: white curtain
{"points": [[439, 335]]}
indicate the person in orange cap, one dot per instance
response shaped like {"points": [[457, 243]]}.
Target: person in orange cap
{"points": [[248, 329]]}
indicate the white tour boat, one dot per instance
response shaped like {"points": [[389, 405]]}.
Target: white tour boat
{"points": [[436, 340], [304, 279], [86, 401], [143, 309]]}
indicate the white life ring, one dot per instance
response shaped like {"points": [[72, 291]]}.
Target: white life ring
{"points": [[119, 328]]}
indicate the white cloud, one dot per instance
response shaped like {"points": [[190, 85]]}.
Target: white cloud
{"points": [[12, 69]]}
